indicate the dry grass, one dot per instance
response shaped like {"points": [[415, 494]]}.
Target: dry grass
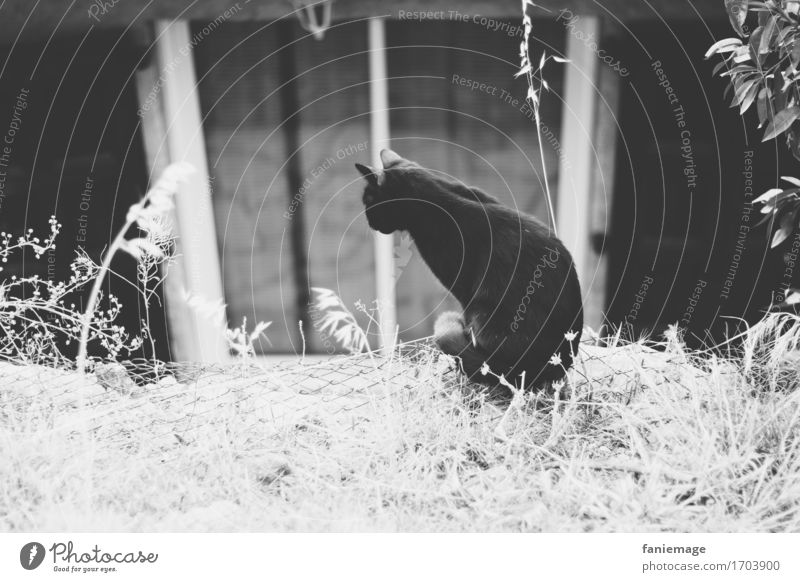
{"points": [[644, 440]]}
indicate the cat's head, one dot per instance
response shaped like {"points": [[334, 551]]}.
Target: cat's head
{"points": [[390, 194]]}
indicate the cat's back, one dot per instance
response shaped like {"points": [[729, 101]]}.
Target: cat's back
{"points": [[522, 233]]}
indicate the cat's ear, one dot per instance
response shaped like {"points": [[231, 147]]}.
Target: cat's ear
{"points": [[389, 158], [369, 174]]}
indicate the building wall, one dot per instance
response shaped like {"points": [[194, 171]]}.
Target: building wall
{"points": [[250, 195], [482, 136]]}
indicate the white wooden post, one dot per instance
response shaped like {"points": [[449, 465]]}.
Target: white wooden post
{"points": [[379, 139], [179, 317], [173, 131], [577, 133]]}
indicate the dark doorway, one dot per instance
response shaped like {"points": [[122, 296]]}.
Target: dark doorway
{"points": [[683, 247]]}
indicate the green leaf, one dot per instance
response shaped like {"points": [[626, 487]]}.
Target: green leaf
{"points": [[727, 90], [768, 35], [786, 36], [763, 15], [748, 99], [761, 107], [768, 195], [795, 54], [793, 143], [718, 67], [725, 45], [742, 89], [781, 122], [767, 218], [755, 41], [780, 99], [792, 298], [737, 13], [737, 70], [787, 81], [776, 202], [785, 228], [742, 54]]}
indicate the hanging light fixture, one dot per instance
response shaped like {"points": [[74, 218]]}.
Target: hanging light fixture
{"points": [[314, 15]]}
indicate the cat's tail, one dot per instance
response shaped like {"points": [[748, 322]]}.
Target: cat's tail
{"points": [[454, 339]]}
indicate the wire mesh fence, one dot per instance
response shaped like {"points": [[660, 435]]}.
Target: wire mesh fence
{"points": [[177, 398], [169, 445]]}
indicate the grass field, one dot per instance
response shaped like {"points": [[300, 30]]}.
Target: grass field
{"points": [[640, 440]]}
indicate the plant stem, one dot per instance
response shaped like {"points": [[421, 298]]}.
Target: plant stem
{"points": [[544, 170], [95, 293], [534, 98]]}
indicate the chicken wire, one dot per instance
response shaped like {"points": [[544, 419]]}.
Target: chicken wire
{"points": [[168, 401]]}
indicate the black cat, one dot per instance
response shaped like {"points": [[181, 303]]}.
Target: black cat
{"points": [[515, 281]]}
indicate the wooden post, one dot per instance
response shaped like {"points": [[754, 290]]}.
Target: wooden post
{"points": [[179, 317], [379, 139], [573, 201], [290, 108], [172, 130], [606, 132]]}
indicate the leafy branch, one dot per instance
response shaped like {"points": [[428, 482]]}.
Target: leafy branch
{"points": [[763, 70]]}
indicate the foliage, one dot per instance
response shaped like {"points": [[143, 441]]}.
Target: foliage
{"points": [[336, 320], [37, 313], [150, 216], [762, 69], [242, 343]]}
